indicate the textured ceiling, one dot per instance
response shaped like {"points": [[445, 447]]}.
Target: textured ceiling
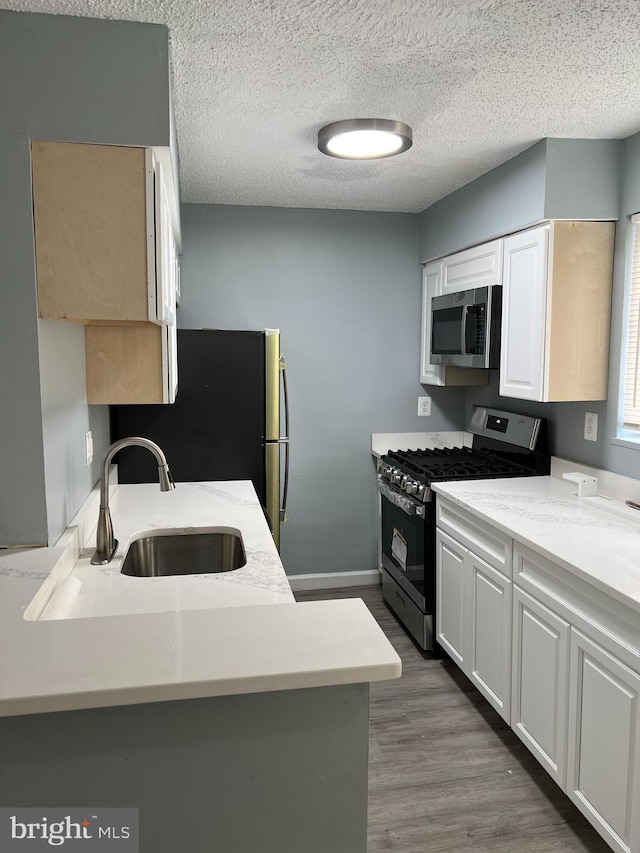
{"points": [[478, 80]]}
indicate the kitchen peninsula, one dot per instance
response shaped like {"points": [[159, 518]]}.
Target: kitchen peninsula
{"points": [[232, 717]]}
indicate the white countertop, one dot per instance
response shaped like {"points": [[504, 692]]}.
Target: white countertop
{"points": [[545, 514], [213, 635], [383, 442], [107, 592]]}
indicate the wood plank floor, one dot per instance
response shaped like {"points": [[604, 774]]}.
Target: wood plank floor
{"points": [[445, 772]]}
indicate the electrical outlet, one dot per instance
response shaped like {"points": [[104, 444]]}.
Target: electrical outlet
{"points": [[590, 426], [88, 448], [424, 407]]}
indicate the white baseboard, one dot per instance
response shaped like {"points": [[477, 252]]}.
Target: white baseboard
{"points": [[333, 580]]}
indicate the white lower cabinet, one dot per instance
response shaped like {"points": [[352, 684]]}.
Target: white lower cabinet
{"points": [[489, 653], [540, 681], [558, 659], [604, 743], [473, 619], [450, 597]]}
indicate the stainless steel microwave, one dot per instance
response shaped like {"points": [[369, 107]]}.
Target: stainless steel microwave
{"points": [[465, 327]]}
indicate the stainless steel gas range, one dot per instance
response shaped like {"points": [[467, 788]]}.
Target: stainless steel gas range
{"points": [[505, 444]]}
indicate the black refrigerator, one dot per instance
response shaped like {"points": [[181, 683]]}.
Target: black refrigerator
{"points": [[225, 422]]}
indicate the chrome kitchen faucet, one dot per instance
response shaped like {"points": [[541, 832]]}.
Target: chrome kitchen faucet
{"points": [[106, 545]]}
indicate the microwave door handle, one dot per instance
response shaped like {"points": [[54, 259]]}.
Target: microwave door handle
{"points": [[463, 330]]}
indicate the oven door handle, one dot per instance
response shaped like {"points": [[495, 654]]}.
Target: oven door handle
{"points": [[404, 502]]}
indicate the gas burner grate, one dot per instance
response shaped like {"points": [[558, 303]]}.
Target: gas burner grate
{"points": [[459, 463]]}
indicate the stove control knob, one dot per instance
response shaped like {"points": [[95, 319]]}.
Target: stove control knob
{"points": [[420, 490], [412, 488]]}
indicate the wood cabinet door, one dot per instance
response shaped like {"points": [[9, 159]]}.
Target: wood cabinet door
{"points": [[524, 306], [480, 266], [430, 374], [540, 682], [489, 653], [450, 597], [604, 743]]}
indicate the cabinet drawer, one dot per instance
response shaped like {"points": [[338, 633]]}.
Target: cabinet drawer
{"points": [[607, 621], [493, 546]]}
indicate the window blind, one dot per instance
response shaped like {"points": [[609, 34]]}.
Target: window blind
{"points": [[631, 414]]}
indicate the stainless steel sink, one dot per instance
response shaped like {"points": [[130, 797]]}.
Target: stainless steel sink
{"points": [[162, 554]]}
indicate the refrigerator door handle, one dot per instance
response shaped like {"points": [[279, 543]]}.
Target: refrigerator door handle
{"points": [[285, 440]]}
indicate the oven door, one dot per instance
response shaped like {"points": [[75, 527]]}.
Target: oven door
{"points": [[408, 537], [459, 328]]}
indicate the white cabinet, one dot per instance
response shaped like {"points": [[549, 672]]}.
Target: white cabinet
{"points": [[162, 297], [540, 681], [435, 374], [473, 619], [556, 304], [450, 597], [480, 266], [430, 374], [558, 659], [489, 647], [604, 743], [524, 306]]}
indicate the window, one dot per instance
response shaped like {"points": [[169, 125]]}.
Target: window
{"points": [[630, 380]]}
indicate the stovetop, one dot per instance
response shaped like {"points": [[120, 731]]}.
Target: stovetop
{"points": [[456, 462], [505, 444], [413, 471]]}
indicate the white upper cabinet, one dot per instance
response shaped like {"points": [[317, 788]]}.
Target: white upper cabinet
{"points": [[556, 306], [432, 285], [163, 291], [430, 374], [480, 266], [524, 304]]}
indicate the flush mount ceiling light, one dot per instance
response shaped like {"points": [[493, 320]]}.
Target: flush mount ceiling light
{"points": [[365, 138]]}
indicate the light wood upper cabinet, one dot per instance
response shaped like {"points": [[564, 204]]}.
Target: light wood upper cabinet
{"points": [[131, 364], [556, 312], [101, 218], [106, 257]]}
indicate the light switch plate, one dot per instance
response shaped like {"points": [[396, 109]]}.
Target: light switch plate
{"points": [[590, 426], [424, 407]]}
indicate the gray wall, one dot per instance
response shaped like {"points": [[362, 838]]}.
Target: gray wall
{"points": [[344, 288], [582, 179], [506, 198], [76, 80], [554, 179]]}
